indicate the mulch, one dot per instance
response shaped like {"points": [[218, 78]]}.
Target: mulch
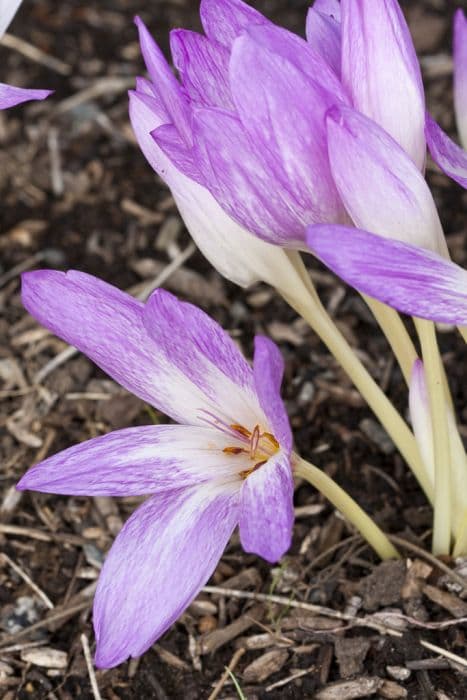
{"points": [[330, 621]]}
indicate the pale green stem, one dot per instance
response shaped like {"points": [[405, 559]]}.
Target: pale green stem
{"points": [[441, 446], [460, 545], [389, 417], [396, 334], [463, 331], [347, 506]]}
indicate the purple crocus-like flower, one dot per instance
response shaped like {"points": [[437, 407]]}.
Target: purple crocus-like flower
{"points": [[9, 95], [450, 157], [227, 464], [412, 280]]}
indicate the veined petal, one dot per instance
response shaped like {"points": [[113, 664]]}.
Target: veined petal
{"points": [[11, 96], [239, 255], [169, 89], [379, 184], [135, 462], [450, 157], [420, 417], [8, 9], [266, 509], [460, 74], [329, 7], [283, 111], [381, 71], [224, 20], [412, 280], [203, 66], [323, 33], [162, 557], [268, 370]]}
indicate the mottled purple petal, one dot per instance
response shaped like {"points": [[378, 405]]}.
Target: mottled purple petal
{"points": [[224, 20], [283, 111], [165, 553], [266, 509], [323, 33], [412, 280], [8, 9], [11, 96], [203, 66], [383, 190], [168, 87], [381, 71], [451, 158], [135, 462], [237, 254], [268, 370], [328, 7], [460, 74]]}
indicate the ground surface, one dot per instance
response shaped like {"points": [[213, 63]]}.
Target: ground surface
{"points": [[76, 192]]}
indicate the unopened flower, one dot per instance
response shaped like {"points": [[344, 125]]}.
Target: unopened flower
{"points": [[450, 157], [227, 464], [9, 95]]}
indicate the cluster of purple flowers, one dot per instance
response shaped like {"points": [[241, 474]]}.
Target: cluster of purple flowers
{"points": [[270, 143]]}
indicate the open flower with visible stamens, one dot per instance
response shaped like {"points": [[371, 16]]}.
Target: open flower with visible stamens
{"points": [[228, 464], [10, 95]]}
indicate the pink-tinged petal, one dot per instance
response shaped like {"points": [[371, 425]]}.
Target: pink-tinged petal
{"points": [[381, 71], [283, 111], [460, 74], [135, 462], [8, 9], [323, 33], [379, 184], [329, 7], [11, 96], [168, 87], [203, 66], [266, 509], [237, 254], [268, 371], [163, 556], [412, 280], [420, 417], [451, 158], [224, 20], [245, 187]]}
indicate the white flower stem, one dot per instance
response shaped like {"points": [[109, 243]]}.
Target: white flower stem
{"points": [[463, 331], [347, 506], [441, 445], [315, 314]]}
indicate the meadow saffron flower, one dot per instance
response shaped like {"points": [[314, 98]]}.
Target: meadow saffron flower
{"points": [[9, 95], [450, 157], [227, 464]]}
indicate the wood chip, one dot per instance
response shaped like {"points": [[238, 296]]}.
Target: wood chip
{"points": [[263, 667], [448, 601], [215, 640], [348, 690], [46, 657]]}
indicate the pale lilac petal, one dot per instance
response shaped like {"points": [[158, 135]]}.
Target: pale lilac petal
{"points": [[460, 74], [266, 509], [245, 187], [224, 20], [11, 96], [109, 326], [381, 71], [8, 9], [379, 184], [205, 354], [323, 33], [283, 111], [451, 158], [237, 254], [268, 370], [329, 7], [135, 462], [168, 87], [203, 66], [412, 280], [164, 554], [420, 417]]}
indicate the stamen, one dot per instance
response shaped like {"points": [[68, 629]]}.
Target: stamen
{"points": [[240, 429], [233, 450], [272, 439]]}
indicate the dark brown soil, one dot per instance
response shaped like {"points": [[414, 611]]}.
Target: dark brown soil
{"points": [[76, 192]]}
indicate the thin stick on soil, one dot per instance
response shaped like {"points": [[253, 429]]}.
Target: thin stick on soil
{"points": [[228, 670], [90, 667], [28, 580]]}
